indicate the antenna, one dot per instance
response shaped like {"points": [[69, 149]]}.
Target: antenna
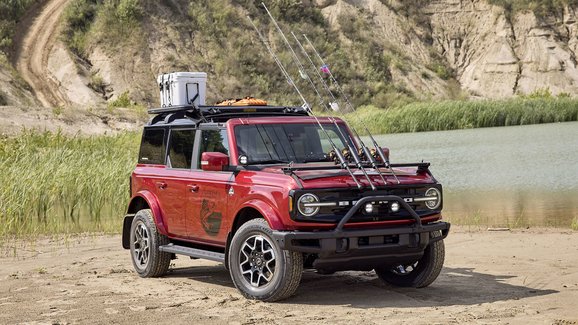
{"points": [[375, 144], [303, 72], [305, 105], [366, 151]]}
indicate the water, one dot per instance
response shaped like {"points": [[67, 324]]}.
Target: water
{"points": [[507, 176]]}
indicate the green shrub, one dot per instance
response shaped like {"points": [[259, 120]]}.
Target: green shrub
{"points": [[97, 84], [122, 101], [78, 18], [544, 93], [129, 11], [441, 70], [10, 12], [540, 8]]}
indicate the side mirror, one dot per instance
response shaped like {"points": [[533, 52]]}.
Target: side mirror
{"points": [[385, 152], [214, 161], [377, 155]]}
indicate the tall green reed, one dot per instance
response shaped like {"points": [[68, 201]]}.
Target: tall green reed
{"points": [[450, 115], [53, 183]]}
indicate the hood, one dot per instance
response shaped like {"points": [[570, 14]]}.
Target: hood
{"points": [[327, 178]]}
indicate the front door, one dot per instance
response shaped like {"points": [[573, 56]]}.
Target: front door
{"points": [[208, 192]]}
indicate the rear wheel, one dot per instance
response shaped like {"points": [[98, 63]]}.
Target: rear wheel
{"points": [[260, 269], [420, 273], [147, 259]]}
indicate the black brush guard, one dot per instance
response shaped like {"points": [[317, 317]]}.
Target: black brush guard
{"points": [[365, 249]]}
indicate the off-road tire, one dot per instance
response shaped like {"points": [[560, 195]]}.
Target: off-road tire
{"points": [[288, 267], [157, 262], [425, 272]]}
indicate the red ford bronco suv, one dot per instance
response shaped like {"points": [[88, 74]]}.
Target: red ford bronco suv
{"points": [[256, 188]]}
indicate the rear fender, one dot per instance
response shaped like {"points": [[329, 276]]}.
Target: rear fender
{"points": [[153, 204]]}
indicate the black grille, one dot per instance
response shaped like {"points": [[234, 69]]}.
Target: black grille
{"points": [[381, 211]]}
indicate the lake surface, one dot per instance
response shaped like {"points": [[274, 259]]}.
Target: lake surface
{"points": [[505, 176]]}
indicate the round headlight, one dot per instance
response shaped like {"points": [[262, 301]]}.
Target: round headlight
{"points": [[432, 193], [303, 203]]}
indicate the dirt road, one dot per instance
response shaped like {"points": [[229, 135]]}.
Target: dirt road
{"points": [[515, 277], [35, 38]]}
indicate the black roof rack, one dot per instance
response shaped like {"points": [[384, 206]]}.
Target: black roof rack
{"points": [[197, 114]]}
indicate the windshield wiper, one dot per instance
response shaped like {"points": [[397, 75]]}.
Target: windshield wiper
{"points": [[314, 160], [270, 161]]}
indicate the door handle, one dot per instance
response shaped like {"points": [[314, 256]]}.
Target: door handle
{"points": [[161, 185], [193, 188]]}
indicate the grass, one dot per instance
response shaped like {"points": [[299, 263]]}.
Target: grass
{"points": [[451, 115], [58, 184]]}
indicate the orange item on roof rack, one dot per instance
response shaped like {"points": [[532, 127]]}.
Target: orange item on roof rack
{"points": [[247, 101]]}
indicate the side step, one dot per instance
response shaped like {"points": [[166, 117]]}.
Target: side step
{"points": [[193, 252]]}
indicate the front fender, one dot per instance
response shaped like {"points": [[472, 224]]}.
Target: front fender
{"points": [[153, 204], [270, 214]]}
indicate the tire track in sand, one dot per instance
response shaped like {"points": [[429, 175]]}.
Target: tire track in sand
{"points": [[36, 35]]}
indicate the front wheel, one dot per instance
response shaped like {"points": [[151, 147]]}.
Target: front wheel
{"points": [[260, 269], [419, 274]]}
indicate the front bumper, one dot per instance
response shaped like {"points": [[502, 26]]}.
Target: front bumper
{"points": [[341, 249]]}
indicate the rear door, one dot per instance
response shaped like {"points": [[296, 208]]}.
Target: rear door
{"points": [[207, 213]]}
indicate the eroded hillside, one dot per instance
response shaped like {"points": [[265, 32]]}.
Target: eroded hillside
{"points": [[384, 52]]}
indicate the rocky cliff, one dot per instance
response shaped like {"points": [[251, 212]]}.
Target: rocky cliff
{"points": [[499, 56]]}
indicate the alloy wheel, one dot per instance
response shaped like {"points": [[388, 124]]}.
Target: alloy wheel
{"points": [[141, 243], [257, 261]]}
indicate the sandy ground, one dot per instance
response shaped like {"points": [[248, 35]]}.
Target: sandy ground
{"points": [[524, 276]]}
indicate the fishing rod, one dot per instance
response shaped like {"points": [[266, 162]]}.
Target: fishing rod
{"points": [[384, 159], [364, 148], [303, 73], [344, 164]]}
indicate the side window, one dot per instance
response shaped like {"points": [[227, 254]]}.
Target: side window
{"points": [[181, 148], [152, 148], [213, 141]]}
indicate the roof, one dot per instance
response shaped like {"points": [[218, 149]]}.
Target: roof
{"points": [[283, 119], [194, 115]]}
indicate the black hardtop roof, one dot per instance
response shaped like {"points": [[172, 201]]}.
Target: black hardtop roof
{"points": [[193, 115]]}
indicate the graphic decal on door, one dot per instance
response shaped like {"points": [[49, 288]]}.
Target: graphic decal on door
{"points": [[210, 219]]}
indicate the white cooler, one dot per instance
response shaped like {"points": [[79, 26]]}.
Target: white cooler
{"points": [[182, 88]]}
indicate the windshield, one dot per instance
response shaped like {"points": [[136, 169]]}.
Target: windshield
{"points": [[283, 143]]}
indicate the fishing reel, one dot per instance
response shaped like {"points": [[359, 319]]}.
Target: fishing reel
{"points": [[333, 157], [344, 152], [374, 154], [361, 153]]}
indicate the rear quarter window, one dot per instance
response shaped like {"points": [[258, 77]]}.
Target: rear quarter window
{"points": [[152, 148]]}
